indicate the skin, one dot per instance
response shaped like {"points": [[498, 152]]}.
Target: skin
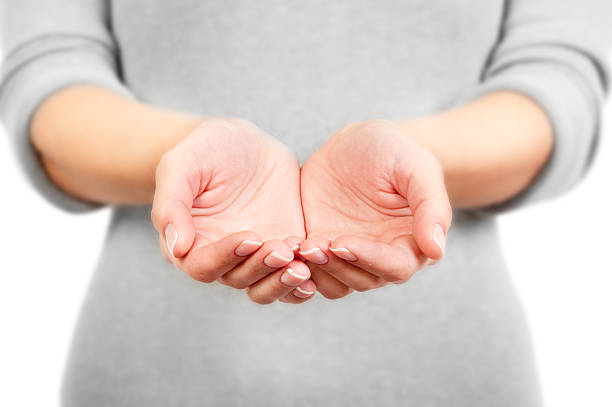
{"points": [[378, 192], [227, 206], [375, 207], [358, 189], [490, 149]]}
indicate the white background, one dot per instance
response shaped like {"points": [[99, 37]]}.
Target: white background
{"points": [[559, 254]]}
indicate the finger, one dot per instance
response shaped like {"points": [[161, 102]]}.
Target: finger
{"points": [[430, 227], [207, 261], [316, 250], [428, 201], [273, 255], [395, 262], [305, 290], [163, 248], [294, 243], [301, 294], [279, 283], [327, 285], [175, 189]]}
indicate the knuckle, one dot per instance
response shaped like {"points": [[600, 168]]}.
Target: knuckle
{"points": [[398, 282], [337, 293], [399, 274], [235, 283], [205, 278], [240, 285], [362, 286], [201, 274], [259, 299], [329, 295], [366, 286], [158, 213], [202, 277], [161, 211]]}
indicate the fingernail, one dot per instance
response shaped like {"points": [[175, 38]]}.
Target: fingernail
{"points": [[439, 237], [343, 253], [430, 262], [292, 278], [301, 293], [247, 247], [275, 260], [315, 255], [171, 238]]}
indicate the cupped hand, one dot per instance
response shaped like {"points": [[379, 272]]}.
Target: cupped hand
{"points": [[375, 206], [227, 208]]}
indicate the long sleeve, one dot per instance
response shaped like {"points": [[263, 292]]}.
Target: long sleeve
{"points": [[555, 52], [48, 45]]}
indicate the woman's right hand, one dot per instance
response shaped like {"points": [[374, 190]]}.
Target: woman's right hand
{"points": [[227, 208]]}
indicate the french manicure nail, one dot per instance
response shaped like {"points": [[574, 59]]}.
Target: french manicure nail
{"points": [[292, 278], [171, 238], [439, 237], [247, 247], [315, 255], [343, 253], [275, 260], [301, 293]]}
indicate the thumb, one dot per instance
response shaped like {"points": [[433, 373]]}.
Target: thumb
{"points": [[178, 230], [431, 222], [172, 203], [421, 182]]}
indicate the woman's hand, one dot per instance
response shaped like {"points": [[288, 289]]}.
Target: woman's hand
{"points": [[488, 157], [376, 209], [227, 207]]}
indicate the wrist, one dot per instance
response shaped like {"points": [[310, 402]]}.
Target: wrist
{"points": [[435, 133], [490, 149], [103, 147], [162, 131]]}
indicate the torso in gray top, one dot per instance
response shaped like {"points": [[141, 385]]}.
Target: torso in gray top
{"points": [[454, 335]]}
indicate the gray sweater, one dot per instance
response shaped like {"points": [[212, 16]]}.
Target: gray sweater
{"points": [[454, 335]]}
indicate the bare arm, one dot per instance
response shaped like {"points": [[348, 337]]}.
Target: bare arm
{"points": [[103, 147], [490, 149]]}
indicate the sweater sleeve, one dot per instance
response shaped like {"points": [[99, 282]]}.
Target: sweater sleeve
{"points": [[48, 45], [555, 52]]}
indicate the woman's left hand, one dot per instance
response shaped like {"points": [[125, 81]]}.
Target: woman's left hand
{"points": [[375, 206]]}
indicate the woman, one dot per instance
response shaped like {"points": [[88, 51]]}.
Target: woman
{"points": [[483, 105]]}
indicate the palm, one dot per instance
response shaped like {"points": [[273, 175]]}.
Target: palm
{"points": [[375, 207], [351, 191], [259, 191], [227, 206]]}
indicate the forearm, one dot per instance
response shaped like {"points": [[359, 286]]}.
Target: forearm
{"points": [[490, 149], [102, 147]]}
